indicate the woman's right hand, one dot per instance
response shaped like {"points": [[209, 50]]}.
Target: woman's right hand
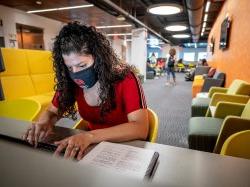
{"points": [[37, 131]]}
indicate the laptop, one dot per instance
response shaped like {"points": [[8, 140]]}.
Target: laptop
{"points": [[13, 130]]}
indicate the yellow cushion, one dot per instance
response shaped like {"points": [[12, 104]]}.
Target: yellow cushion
{"points": [[239, 87], [22, 109], [237, 145], [43, 83], [246, 112], [17, 86], [40, 62], [198, 77], [43, 100], [15, 62]]}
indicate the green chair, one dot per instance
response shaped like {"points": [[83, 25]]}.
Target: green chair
{"points": [[237, 145], [21, 109], [238, 91], [209, 133]]}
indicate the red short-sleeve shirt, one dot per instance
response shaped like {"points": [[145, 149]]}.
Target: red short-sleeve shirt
{"points": [[129, 97]]}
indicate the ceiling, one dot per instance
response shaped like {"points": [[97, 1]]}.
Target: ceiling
{"points": [[103, 14]]}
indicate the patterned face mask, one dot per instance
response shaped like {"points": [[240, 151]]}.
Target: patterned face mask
{"points": [[85, 78]]}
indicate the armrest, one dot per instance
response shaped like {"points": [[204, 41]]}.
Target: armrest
{"points": [[209, 82], [217, 97], [224, 109], [213, 90], [231, 125]]}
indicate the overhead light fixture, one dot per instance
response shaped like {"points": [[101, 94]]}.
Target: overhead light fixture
{"points": [[204, 24], [119, 34], [176, 28], [39, 2], [181, 35], [165, 9], [205, 17], [121, 18], [61, 8], [202, 33], [207, 6], [112, 26]]}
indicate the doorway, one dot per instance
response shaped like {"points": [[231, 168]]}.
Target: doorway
{"points": [[29, 37]]}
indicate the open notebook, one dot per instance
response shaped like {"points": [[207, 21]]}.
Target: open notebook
{"points": [[125, 159]]}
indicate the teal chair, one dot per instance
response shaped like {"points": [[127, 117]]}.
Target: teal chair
{"points": [[209, 133]]}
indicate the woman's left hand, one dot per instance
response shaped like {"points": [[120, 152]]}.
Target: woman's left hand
{"points": [[74, 145]]}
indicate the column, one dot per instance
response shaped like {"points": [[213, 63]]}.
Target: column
{"points": [[139, 50]]}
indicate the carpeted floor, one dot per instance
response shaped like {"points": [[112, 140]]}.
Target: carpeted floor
{"points": [[173, 107]]}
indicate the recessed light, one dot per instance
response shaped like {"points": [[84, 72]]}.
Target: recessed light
{"points": [[207, 6], [119, 34], [112, 26], [39, 2], [181, 35], [165, 9], [176, 28], [120, 18], [61, 8]]}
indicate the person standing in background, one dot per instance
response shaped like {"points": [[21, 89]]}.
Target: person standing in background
{"points": [[170, 66]]}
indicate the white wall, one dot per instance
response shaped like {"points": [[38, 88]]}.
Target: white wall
{"points": [[12, 16]]}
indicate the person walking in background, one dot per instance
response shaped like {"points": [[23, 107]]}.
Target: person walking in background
{"points": [[170, 66]]}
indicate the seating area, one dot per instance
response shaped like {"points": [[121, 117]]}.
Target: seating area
{"points": [[218, 114], [205, 78], [27, 74]]}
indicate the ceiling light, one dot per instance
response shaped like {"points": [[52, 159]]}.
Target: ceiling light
{"points": [[39, 2], [204, 24], [207, 6], [205, 17], [202, 33], [176, 28], [181, 35], [165, 9], [61, 8], [112, 26], [121, 18], [119, 34]]}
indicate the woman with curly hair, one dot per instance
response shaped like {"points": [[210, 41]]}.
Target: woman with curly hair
{"points": [[108, 94]]}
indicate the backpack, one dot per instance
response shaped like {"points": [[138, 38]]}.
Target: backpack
{"points": [[171, 62]]}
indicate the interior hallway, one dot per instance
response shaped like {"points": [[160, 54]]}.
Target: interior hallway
{"points": [[173, 107]]}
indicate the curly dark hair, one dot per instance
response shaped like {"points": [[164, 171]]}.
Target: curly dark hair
{"points": [[81, 39]]}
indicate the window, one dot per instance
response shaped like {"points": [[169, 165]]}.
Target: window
{"points": [[189, 57], [202, 55]]}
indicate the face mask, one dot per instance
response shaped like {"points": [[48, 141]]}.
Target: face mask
{"points": [[85, 78]]}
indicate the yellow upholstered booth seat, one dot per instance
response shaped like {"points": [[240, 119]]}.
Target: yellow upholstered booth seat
{"points": [[237, 145], [27, 74], [153, 125], [22, 109], [15, 62], [15, 87]]}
